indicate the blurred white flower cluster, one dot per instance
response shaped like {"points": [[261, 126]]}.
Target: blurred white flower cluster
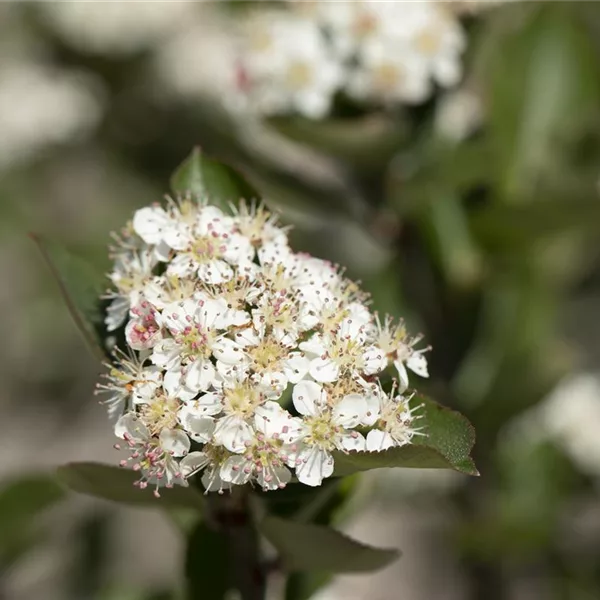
{"points": [[40, 106], [570, 417], [116, 28], [227, 328], [296, 58]]}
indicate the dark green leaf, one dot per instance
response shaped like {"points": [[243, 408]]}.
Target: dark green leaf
{"points": [[116, 484], [540, 72], [516, 227], [308, 547], [22, 500], [366, 142], [206, 178], [207, 565], [81, 287], [447, 445]]}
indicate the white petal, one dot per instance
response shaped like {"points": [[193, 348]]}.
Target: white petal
{"points": [[162, 251], [166, 353], [274, 421], [193, 462], [375, 360], [130, 427], [417, 363], [351, 441], [116, 312], [350, 411], [402, 376], [199, 375], [373, 409], [199, 428], [324, 370], [181, 266], [313, 465], [179, 315], [233, 433], [150, 223], [212, 481], [271, 385], [207, 404], [296, 367], [215, 272], [378, 440], [236, 470], [228, 352], [210, 312], [273, 478], [174, 441], [307, 396], [314, 346], [247, 337], [175, 387]]}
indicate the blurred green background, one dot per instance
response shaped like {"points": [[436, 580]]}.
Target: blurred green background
{"points": [[475, 216]]}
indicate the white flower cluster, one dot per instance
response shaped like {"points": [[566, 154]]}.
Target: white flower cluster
{"points": [[245, 360], [297, 57]]}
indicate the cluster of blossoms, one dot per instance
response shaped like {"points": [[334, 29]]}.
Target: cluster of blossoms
{"points": [[245, 361], [295, 58]]}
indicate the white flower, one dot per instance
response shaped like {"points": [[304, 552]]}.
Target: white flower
{"points": [[143, 331], [264, 457], [239, 399], [209, 247], [193, 325], [273, 364], [399, 347], [389, 73], [154, 457], [288, 66], [130, 274], [129, 382], [344, 352], [325, 429], [208, 462], [197, 417], [394, 425]]}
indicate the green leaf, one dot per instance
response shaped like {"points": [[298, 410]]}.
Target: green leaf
{"points": [[206, 178], [515, 228], [21, 501], [539, 68], [207, 565], [367, 142], [116, 484], [81, 287], [447, 445], [308, 547]]}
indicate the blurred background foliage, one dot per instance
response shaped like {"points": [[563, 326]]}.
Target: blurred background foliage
{"points": [[475, 216]]}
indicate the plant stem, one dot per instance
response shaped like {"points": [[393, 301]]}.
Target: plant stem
{"points": [[232, 514]]}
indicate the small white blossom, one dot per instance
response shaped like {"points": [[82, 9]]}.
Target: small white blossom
{"points": [[326, 429], [394, 425], [289, 66]]}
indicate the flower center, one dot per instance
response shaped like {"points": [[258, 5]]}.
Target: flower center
{"points": [[205, 248], [322, 431], [388, 76], [427, 42], [196, 341], [267, 354], [299, 75], [241, 401], [160, 414]]}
